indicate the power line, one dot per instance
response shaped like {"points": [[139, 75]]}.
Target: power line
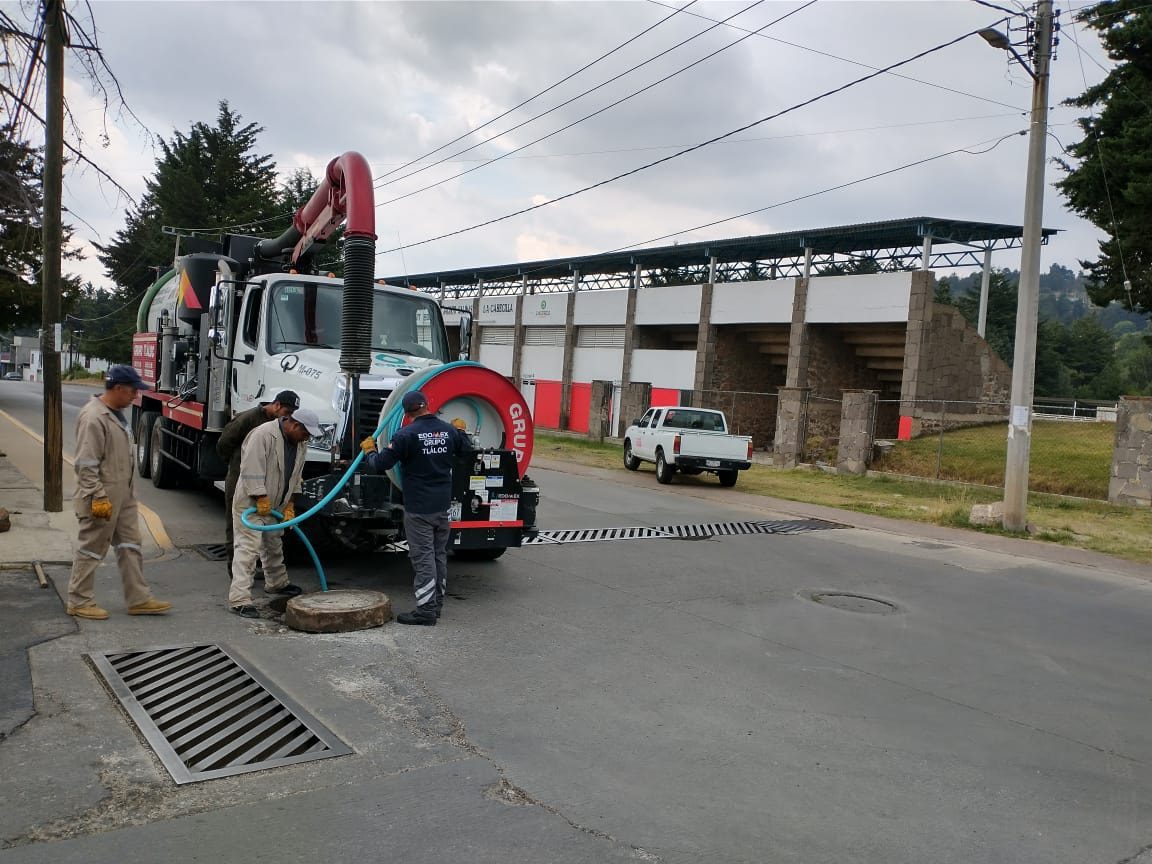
{"points": [[594, 113], [699, 146], [1012, 12], [547, 89], [611, 80], [854, 62]]}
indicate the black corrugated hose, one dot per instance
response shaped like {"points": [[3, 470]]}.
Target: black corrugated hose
{"points": [[356, 338]]}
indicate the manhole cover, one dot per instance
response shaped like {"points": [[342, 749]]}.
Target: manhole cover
{"points": [[853, 602], [213, 551], [207, 713]]}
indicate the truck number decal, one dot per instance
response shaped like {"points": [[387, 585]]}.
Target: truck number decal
{"points": [[309, 372]]}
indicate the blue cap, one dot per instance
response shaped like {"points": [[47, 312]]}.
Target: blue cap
{"points": [[413, 400], [125, 375]]}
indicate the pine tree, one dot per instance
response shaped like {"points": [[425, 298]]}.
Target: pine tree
{"points": [[1111, 184]]}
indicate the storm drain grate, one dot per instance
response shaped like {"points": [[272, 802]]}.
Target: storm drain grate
{"points": [[213, 551], [207, 713], [692, 532]]}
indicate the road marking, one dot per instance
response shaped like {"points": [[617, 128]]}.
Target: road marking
{"points": [[151, 518]]}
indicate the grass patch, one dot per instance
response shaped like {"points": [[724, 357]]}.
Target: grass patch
{"points": [[1066, 458], [1098, 526]]}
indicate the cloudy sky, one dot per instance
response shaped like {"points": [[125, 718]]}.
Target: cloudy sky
{"points": [[397, 80]]}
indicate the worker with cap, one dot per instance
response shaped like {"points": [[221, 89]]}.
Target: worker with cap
{"points": [[231, 440], [271, 466], [425, 448], [105, 500]]}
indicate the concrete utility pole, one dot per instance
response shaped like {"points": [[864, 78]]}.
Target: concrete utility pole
{"points": [[52, 243], [1024, 356]]}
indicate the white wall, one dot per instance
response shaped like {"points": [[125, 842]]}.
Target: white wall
{"points": [[662, 368], [859, 299], [601, 307], [593, 364], [668, 304], [545, 309], [768, 301], [497, 357], [543, 361]]}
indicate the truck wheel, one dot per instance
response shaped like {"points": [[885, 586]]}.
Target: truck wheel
{"points": [[727, 478], [165, 473], [478, 554], [630, 461], [664, 471], [144, 442]]}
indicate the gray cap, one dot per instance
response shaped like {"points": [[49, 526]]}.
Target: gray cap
{"points": [[308, 419]]}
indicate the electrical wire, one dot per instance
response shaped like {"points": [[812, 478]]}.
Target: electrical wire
{"points": [[797, 106], [590, 90], [849, 60], [594, 113], [1012, 12], [547, 89]]}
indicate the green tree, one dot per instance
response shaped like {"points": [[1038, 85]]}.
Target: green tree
{"points": [[1110, 183], [210, 179], [1000, 332], [21, 209]]}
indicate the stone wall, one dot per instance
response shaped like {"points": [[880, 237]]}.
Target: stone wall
{"points": [[634, 401], [854, 450], [742, 384], [960, 365], [1131, 480], [792, 427]]}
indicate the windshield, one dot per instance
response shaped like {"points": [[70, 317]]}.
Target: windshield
{"points": [[309, 315]]}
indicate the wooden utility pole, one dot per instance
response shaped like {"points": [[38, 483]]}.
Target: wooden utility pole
{"points": [[52, 243]]}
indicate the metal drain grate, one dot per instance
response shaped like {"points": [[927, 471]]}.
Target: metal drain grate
{"points": [[682, 532], [213, 551], [207, 713]]}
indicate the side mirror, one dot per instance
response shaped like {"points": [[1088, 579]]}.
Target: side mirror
{"points": [[249, 358], [636, 422]]}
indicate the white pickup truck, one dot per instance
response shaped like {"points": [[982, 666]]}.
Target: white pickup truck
{"points": [[689, 440]]}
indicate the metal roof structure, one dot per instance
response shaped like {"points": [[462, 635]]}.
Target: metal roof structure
{"points": [[894, 245]]}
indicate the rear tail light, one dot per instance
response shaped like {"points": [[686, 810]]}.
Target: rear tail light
{"points": [[676, 445], [749, 451]]}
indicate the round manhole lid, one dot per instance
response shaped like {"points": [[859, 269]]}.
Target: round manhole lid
{"points": [[853, 602]]}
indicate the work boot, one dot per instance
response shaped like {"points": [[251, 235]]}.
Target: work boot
{"points": [[423, 616], [91, 612], [246, 611], [152, 606], [288, 590]]}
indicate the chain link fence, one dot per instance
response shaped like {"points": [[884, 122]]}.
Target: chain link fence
{"points": [[1071, 452]]}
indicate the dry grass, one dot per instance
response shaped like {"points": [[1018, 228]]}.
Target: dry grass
{"points": [[1120, 531]]}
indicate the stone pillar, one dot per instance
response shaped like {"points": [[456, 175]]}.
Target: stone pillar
{"points": [[791, 426], [857, 413], [518, 342], [798, 343], [1131, 479], [629, 334], [477, 329], [600, 411], [915, 382], [569, 356], [705, 341], [634, 401]]}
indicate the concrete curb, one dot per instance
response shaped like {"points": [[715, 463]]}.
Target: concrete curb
{"points": [[1038, 550]]}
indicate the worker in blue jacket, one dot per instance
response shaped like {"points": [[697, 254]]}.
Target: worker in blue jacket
{"points": [[425, 449]]}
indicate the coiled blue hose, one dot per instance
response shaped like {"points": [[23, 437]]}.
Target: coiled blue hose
{"points": [[390, 423]]}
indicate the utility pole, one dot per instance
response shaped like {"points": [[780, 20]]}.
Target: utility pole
{"points": [[52, 243], [1024, 356]]}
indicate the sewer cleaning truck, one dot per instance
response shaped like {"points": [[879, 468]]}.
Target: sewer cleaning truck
{"points": [[235, 322]]}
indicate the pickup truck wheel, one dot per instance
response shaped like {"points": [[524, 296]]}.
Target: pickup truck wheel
{"points": [[166, 474], [478, 554], [727, 478], [144, 442], [664, 471], [630, 461]]}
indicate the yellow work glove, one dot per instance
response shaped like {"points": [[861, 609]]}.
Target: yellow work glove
{"points": [[368, 445], [289, 511], [264, 506], [101, 508]]}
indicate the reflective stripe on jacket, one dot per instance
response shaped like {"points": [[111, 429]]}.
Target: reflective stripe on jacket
{"points": [[105, 455], [262, 466]]}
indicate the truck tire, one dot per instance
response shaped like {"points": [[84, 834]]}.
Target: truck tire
{"points": [[478, 554], [144, 426], [165, 473], [630, 461], [727, 478], [664, 471]]}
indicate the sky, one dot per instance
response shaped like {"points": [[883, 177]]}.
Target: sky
{"points": [[397, 80]]}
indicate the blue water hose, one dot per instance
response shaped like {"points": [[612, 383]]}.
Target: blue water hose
{"points": [[390, 423]]}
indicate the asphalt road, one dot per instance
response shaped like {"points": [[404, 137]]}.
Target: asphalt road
{"points": [[669, 700]]}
